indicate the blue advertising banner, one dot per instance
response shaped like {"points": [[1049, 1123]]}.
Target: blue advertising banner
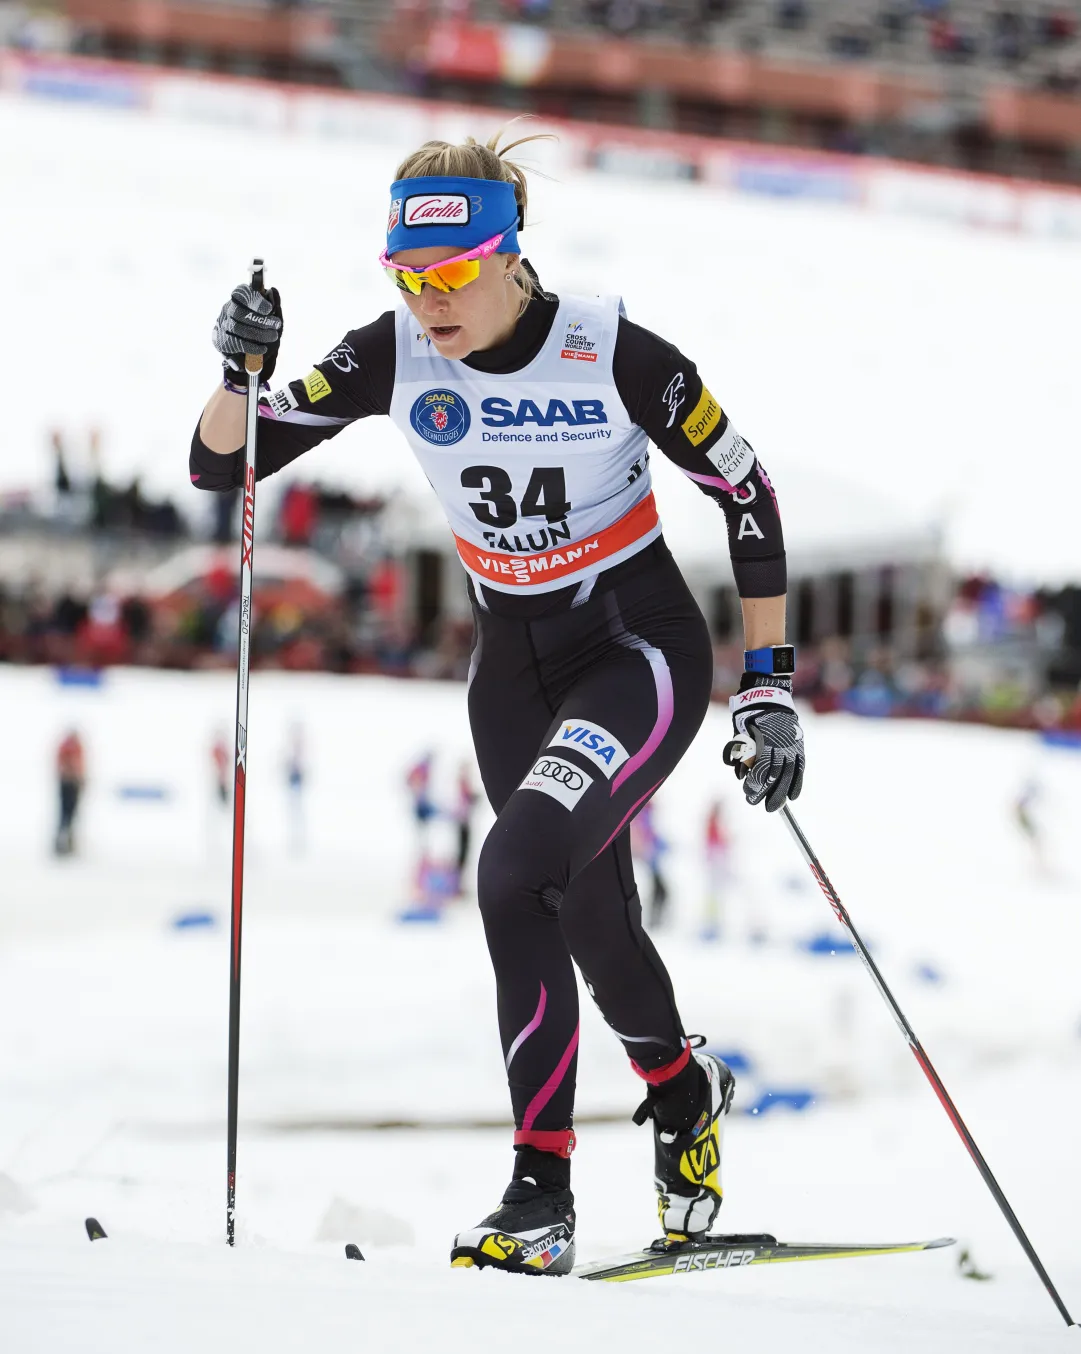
{"points": [[780, 176], [78, 83]]}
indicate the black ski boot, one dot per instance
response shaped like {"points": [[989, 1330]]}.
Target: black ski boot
{"points": [[532, 1231], [688, 1125]]}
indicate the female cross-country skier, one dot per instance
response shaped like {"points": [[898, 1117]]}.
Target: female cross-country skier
{"points": [[531, 415]]}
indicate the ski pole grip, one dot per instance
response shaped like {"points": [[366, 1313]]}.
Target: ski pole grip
{"points": [[253, 362], [740, 749]]}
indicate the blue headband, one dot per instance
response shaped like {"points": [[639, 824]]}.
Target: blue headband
{"points": [[452, 211]]}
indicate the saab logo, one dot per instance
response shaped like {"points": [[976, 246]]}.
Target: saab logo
{"points": [[316, 385], [557, 778], [597, 743], [281, 402], [395, 214], [577, 345], [500, 413], [431, 209], [698, 1261], [702, 419], [440, 417], [731, 455]]}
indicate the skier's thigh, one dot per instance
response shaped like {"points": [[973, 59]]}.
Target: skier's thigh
{"points": [[508, 715], [618, 733]]}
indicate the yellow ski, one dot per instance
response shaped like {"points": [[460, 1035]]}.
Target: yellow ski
{"points": [[732, 1251]]}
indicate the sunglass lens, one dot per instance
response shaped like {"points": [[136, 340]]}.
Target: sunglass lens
{"points": [[448, 277], [404, 280], [453, 276]]}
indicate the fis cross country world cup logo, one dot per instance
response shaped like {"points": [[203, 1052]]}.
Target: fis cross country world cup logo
{"points": [[440, 417], [577, 345]]}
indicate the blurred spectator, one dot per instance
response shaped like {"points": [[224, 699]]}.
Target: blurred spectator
{"points": [[528, 11], [61, 478], [1056, 25], [649, 847], [71, 777], [894, 17], [69, 614], [221, 761], [225, 509], [852, 40], [1063, 79], [1026, 817], [298, 514], [296, 773], [622, 18], [791, 14], [948, 41], [465, 803], [1008, 42], [718, 851]]}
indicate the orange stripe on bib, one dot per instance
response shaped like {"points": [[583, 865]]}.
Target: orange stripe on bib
{"points": [[526, 570]]}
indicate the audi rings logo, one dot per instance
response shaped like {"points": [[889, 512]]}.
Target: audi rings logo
{"points": [[560, 780], [561, 773]]}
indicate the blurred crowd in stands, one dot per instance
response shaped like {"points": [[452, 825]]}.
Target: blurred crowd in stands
{"points": [[112, 538], [332, 596], [1040, 41]]}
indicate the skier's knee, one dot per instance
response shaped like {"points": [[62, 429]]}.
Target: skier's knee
{"points": [[514, 875]]}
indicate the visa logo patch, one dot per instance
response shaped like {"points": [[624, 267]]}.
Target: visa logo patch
{"points": [[597, 743]]}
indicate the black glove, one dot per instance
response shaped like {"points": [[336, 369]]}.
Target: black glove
{"points": [[762, 711], [250, 322]]}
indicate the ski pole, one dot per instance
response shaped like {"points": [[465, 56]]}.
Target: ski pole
{"points": [[253, 365], [743, 749]]}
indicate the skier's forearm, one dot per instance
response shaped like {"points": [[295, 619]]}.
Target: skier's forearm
{"points": [[763, 621], [221, 427]]}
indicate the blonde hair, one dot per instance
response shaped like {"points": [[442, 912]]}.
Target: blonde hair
{"points": [[471, 160]]}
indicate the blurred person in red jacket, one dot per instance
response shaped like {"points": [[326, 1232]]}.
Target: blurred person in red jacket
{"points": [[219, 755], [71, 777], [718, 853]]}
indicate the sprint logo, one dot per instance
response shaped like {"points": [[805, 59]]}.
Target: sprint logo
{"points": [[702, 419]]}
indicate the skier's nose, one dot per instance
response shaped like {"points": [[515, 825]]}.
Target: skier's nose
{"points": [[433, 301]]}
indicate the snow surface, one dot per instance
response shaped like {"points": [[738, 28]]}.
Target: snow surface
{"points": [[112, 1068], [896, 377]]}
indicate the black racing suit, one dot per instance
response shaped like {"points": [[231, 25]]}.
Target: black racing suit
{"points": [[634, 659]]}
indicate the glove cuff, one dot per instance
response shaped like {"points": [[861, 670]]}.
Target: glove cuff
{"points": [[237, 382], [752, 679], [763, 695]]}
